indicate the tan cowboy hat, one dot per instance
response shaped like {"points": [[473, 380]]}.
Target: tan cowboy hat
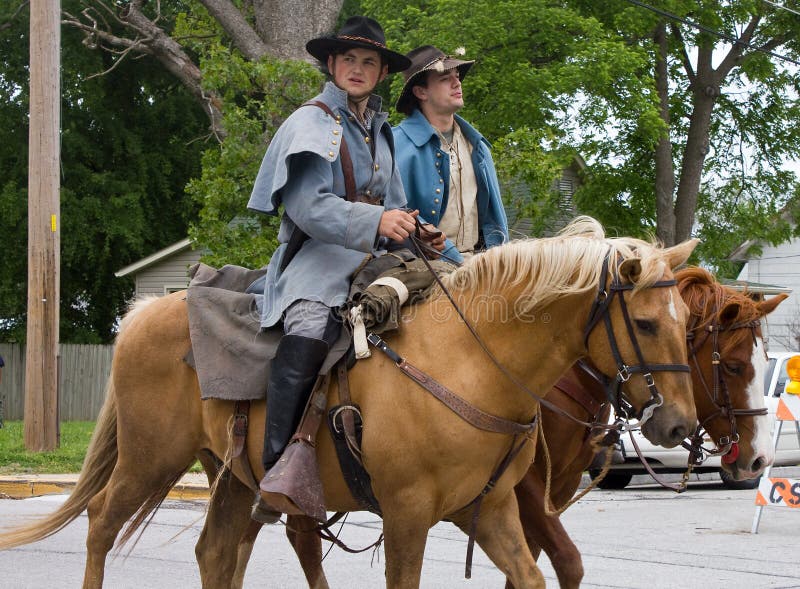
{"points": [[362, 32], [427, 59]]}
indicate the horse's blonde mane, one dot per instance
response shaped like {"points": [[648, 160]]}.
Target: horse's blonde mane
{"points": [[134, 309], [548, 268]]}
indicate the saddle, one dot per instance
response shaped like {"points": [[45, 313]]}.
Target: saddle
{"points": [[231, 356]]}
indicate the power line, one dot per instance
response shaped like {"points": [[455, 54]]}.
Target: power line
{"points": [[786, 8], [710, 31]]}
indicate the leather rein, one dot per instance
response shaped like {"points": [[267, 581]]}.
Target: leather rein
{"points": [[599, 312]]}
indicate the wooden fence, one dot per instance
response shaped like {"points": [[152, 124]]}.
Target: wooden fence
{"points": [[83, 371]]}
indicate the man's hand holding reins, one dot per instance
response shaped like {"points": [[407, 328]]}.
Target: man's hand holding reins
{"points": [[397, 224]]}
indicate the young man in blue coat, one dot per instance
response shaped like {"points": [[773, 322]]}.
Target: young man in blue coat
{"points": [[446, 165]]}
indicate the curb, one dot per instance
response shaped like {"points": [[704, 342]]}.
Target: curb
{"points": [[191, 487]]}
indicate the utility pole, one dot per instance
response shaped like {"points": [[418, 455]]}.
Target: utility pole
{"points": [[44, 243]]}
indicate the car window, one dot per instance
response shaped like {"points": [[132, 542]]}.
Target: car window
{"points": [[768, 375]]}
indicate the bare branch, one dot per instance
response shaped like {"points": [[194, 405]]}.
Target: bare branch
{"points": [[7, 24], [234, 24]]}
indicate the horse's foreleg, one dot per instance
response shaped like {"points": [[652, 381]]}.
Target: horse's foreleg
{"points": [[500, 535], [546, 532], [308, 547], [405, 531]]}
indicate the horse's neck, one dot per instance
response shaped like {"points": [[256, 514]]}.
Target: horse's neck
{"points": [[535, 349]]}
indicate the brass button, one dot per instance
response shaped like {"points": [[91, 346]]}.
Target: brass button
{"points": [[438, 190], [438, 154], [436, 200], [441, 181], [366, 139], [437, 164], [336, 131], [334, 141], [377, 167], [433, 212], [330, 154]]}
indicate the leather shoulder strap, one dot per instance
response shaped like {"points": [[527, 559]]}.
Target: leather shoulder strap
{"points": [[344, 152]]}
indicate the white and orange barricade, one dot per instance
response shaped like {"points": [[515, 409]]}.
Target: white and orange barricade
{"points": [[780, 492]]}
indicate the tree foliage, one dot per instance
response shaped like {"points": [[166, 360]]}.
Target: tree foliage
{"points": [[129, 144]]}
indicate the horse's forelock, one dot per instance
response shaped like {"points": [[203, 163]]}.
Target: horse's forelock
{"points": [[706, 298]]}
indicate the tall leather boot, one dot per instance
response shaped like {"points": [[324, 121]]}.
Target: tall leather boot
{"points": [[293, 373]]}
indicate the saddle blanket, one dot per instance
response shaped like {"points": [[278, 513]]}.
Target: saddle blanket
{"points": [[230, 352]]}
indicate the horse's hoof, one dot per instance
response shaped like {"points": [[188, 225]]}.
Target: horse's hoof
{"points": [[264, 514]]}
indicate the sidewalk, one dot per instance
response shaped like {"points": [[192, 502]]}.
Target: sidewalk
{"points": [[191, 486]]}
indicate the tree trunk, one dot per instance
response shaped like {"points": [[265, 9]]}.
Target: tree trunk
{"points": [[287, 25], [664, 169], [705, 90]]}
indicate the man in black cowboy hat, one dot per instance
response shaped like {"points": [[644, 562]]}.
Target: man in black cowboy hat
{"points": [[446, 165], [331, 166]]}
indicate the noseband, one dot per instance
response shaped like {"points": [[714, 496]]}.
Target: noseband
{"points": [[600, 311], [719, 395]]}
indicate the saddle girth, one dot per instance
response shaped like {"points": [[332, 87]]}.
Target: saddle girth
{"points": [[345, 425]]}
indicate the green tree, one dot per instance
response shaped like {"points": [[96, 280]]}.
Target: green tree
{"points": [[130, 142]]}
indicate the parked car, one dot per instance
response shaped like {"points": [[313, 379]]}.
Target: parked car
{"points": [[674, 460]]}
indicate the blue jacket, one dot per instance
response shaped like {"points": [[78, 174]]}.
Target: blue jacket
{"points": [[425, 170], [302, 171]]}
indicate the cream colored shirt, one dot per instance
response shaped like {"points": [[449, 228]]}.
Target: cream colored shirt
{"points": [[460, 219]]}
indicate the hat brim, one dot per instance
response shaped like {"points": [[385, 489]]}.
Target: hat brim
{"points": [[405, 103], [322, 47]]}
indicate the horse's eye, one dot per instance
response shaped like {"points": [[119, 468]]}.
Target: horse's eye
{"points": [[646, 326], [733, 369]]}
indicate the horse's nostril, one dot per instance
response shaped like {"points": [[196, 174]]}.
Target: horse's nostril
{"points": [[758, 464], [678, 433]]}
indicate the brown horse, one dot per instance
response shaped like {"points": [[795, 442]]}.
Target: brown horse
{"points": [[716, 313], [154, 424]]}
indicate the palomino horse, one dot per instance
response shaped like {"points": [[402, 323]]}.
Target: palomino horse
{"points": [[715, 312], [723, 323], [154, 424]]}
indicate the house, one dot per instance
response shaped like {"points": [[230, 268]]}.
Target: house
{"points": [[165, 271], [776, 265]]}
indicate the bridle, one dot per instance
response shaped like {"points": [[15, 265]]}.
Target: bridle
{"points": [[718, 393], [600, 312]]}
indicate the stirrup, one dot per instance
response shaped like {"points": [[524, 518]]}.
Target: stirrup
{"points": [[263, 513]]}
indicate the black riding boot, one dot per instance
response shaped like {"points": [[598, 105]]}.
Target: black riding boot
{"points": [[293, 373]]}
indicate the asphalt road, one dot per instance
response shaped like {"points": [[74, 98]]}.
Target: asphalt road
{"points": [[642, 537]]}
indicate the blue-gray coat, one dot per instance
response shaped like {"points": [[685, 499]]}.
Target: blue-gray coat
{"points": [[302, 170]]}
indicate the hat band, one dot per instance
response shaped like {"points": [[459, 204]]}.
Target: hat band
{"points": [[361, 39]]}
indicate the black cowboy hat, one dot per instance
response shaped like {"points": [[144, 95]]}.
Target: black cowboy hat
{"points": [[362, 32], [427, 59]]}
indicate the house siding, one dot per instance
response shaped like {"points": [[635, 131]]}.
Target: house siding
{"points": [[779, 265], [171, 273]]}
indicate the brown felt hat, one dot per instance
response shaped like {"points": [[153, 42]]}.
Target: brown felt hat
{"points": [[427, 59], [362, 32]]}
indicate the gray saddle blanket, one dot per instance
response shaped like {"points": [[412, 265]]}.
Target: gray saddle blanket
{"points": [[230, 352]]}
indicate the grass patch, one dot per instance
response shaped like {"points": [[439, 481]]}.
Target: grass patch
{"points": [[15, 459], [68, 458]]}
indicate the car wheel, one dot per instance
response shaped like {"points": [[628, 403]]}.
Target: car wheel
{"points": [[612, 480], [729, 483]]}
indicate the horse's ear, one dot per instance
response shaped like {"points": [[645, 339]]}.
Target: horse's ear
{"points": [[729, 313], [678, 254], [767, 306], [631, 269]]}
